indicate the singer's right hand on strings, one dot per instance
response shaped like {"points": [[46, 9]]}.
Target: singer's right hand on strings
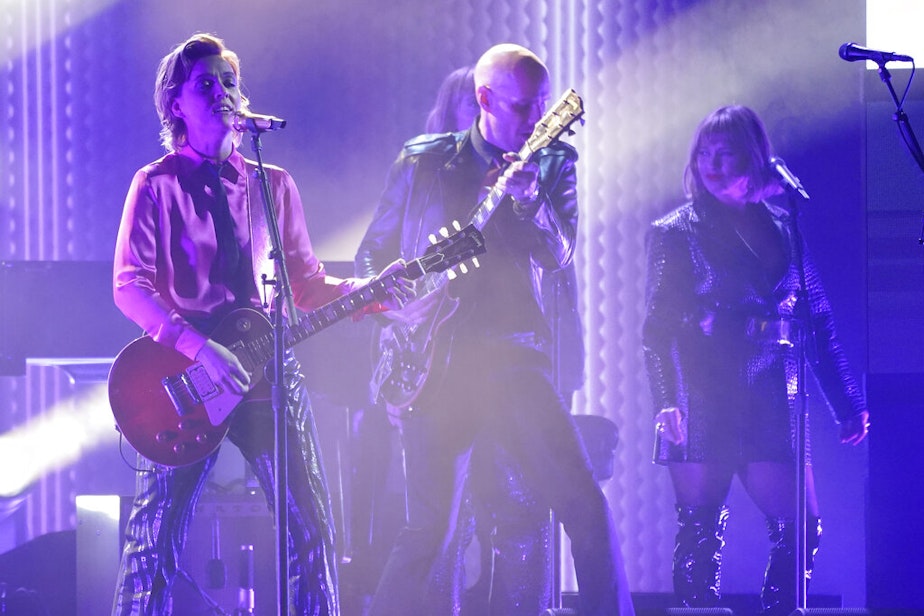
{"points": [[223, 367]]}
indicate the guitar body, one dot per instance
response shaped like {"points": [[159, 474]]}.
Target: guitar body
{"points": [[407, 356], [185, 422]]}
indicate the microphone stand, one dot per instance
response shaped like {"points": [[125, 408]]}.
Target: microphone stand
{"points": [[555, 526], [901, 118], [283, 311], [802, 339]]}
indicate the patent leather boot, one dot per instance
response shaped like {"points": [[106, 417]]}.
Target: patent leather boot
{"points": [[778, 595], [698, 555]]}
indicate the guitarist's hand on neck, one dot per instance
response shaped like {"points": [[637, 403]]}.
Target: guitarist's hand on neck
{"points": [[224, 368], [400, 289], [520, 180]]}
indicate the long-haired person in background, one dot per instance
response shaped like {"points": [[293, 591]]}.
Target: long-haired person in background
{"points": [[455, 107], [190, 250], [725, 310]]}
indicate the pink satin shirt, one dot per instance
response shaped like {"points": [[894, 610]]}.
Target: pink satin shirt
{"points": [[166, 247]]}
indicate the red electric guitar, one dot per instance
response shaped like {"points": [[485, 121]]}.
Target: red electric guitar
{"points": [[172, 413]]}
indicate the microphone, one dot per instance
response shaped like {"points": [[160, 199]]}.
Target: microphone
{"points": [[789, 180], [245, 594], [215, 567], [853, 52], [245, 121]]}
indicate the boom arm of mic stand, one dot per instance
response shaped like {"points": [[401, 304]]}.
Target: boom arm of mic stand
{"points": [[901, 118]]}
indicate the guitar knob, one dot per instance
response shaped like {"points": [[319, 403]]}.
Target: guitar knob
{"points": [[202, 438], [188, 424], [164, 436], [179, 448]]}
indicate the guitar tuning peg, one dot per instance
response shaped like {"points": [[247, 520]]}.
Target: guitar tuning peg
{"points": [[476, 262], [463, 268], [451, 274], [444, 231], [432, 238], [456, 225]]}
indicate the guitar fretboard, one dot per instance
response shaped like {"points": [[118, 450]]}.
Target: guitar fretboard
{"points": [[260, 349]]}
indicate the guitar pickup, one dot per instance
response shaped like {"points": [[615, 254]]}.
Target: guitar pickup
{"points": [[189, 389]]}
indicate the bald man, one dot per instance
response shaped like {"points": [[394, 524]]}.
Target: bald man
{"points": [[491, 370]]}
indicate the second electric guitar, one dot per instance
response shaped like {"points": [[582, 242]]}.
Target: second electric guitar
{"points": [[407, 352]]}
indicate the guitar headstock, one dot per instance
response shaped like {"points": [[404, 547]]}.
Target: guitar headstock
{"points": [[451, 250], [556, 121]]}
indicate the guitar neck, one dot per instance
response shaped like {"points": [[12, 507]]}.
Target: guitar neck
{"points": [[261, 348], [340, 308], [493, 199], [464, 244]]}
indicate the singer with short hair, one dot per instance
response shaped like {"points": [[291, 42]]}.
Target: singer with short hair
{"points": [[724, 310], [190, 250]]}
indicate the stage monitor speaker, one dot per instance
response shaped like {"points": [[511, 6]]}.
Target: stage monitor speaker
{"points": [[231, 541]]}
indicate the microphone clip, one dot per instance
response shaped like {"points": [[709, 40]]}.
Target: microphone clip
{"points": [[248, 122]]}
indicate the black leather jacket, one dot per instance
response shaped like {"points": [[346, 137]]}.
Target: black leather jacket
{"points": [[436, 179], [707, 294]]}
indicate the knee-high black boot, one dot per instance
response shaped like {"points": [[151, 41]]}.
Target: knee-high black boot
{"points": [[698, 555], [778, 595]]}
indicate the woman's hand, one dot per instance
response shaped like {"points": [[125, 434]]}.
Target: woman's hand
{"points": [[224, 368], [855, 429], [668, 425]]}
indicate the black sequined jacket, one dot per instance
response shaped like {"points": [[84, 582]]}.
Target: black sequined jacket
{"points": [[715, 320]]}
